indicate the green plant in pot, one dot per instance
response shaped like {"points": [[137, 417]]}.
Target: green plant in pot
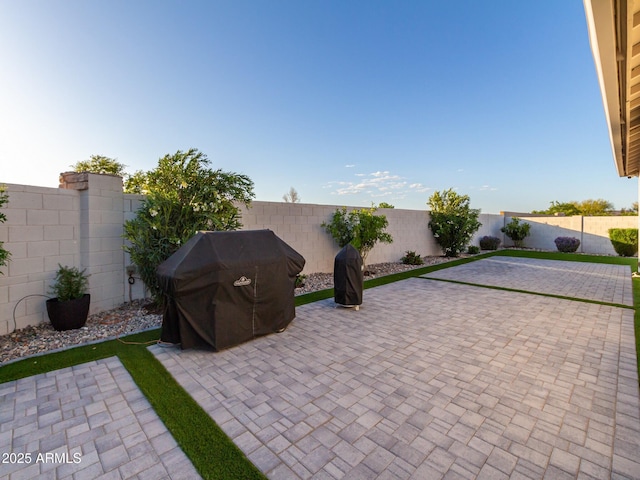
{"points": [[70, 306]]}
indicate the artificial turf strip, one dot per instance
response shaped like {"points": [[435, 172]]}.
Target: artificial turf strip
{"points": [[529, 292], [72, 356], [211, 452]]}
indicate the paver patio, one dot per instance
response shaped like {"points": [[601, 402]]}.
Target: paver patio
{"points": [[429, 379], [85, 422], [593, 281]]}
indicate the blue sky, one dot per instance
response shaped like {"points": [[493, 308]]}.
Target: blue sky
{"points": [[349, 102]]}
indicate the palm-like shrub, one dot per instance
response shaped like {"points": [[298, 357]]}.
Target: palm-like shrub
{"points": [[70, 283]]}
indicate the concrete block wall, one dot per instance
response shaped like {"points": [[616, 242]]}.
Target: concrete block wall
{"points": [[596, 232], [101, 228], [593, 232], [42, 230], [81, 224], [300, 225], [491, 225]]}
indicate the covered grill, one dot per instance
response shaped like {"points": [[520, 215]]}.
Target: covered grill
{"points": [[348, 277], [225, 288]]}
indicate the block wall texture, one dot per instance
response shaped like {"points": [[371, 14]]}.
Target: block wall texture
{"points": [[82, 225], [593, 232], [300, 225], [42, 231]]}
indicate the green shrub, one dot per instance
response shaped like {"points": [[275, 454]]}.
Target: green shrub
{"points": [[183, 197], [359, 227], [453, 221], [412, 258], [567, 244], [489, 243], [473, 250], [71, 283], [516, 231], [624, 241]]}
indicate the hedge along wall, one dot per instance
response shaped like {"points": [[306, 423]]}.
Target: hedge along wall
{"points": [[81, 224]]}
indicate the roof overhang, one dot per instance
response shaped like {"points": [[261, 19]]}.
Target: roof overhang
{"points": [[614, 34]]}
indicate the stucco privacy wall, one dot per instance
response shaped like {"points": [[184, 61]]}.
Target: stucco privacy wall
{"points": [[81, 225], [593, 232], [300, 225]]}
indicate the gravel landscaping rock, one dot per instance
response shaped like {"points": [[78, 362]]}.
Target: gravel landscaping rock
{"points": [[141, 315]]}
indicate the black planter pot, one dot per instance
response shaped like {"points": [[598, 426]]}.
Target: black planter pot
{"points": [[70, 314]]}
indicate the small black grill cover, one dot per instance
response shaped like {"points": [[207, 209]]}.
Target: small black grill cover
{"points": [[225, 288], [348, 276]]}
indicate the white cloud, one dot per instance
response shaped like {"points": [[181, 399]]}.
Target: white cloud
{"points": [[349, 166], [487, 188], [418, 187], [382, 183]]}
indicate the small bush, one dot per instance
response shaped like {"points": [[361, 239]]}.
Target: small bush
{"points": [[516, 231], [567, 244], [624, 241], [489, 243], [359, 227], [412, 258], [300, 280], [472, 250], [70, 283]]}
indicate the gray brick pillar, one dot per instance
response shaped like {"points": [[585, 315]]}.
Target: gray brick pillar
{"points": [[101, 229]]}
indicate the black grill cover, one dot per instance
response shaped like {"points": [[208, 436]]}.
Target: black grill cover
{"points": [[348, 276], [225, 288]]}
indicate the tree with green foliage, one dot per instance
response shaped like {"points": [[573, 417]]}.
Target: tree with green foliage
{"points": [[385, 205], [183, 196], [588, 207], [564, 208], [100, 164], [630, 211], [453, 221], [136, 183], [4, 254], [516, 231], [359, 227]]}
